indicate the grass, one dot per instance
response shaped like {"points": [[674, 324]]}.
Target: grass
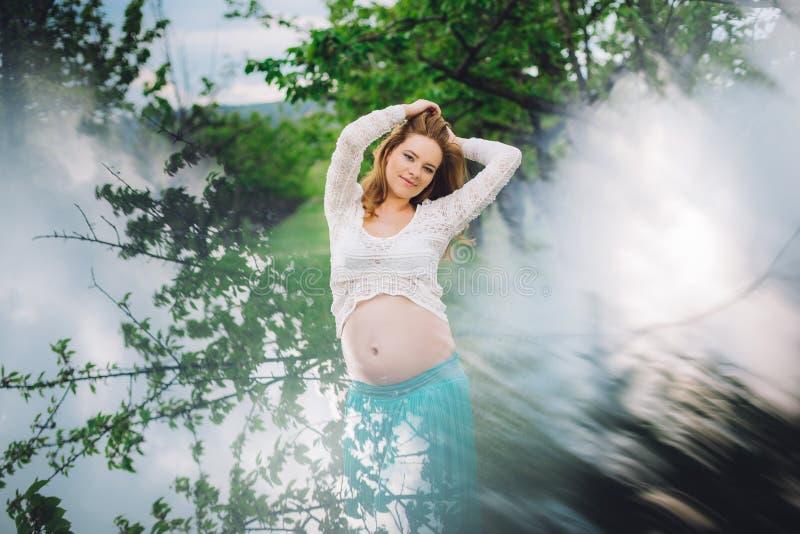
{"points": [[303, 232]]}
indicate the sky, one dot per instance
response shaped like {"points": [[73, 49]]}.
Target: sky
{"points": [[203, 43]]}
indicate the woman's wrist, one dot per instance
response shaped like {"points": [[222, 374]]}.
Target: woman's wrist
{"points": [[421, 105]]}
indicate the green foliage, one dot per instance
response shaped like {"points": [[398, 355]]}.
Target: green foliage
{"points": [[59, 56], [33, 513], [233, 311], [163, 523], [273, 157], [502, 69]]}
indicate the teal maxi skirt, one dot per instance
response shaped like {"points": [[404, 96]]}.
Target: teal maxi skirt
{"points": [[409, 454]]}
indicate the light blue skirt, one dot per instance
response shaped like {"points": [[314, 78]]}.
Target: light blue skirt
{"points": [[409, 454]]}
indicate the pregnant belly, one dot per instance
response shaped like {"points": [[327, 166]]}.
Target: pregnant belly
{"points": [[389, 338]]}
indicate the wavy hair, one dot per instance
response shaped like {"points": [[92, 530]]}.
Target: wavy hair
{"points": [[448, 177]]}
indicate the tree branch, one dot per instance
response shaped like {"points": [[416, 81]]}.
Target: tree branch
{"points": [[526, 101], [473, 50], [567, 31]]}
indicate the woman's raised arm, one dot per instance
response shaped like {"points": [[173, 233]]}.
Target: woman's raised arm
{"points": [[466, 203], [341, 186]]}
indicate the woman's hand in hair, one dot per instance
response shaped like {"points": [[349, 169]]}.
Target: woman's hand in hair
{"points": [[418, 106]]}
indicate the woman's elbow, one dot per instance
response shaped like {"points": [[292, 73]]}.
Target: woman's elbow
{"points": [[346, 144]]}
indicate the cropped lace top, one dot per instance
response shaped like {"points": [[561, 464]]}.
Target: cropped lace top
{"points": [[363, 265]]}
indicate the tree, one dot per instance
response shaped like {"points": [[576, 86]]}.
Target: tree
{"points": [[58, 55], [517, 59], [222, 302], [509, 70]]}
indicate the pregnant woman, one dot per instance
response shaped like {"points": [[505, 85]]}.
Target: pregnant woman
{"points": [[409, 452]]}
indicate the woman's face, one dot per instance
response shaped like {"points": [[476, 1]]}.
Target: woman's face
{"points": [[415, 159]]}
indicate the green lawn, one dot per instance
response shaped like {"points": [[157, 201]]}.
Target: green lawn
{"points": [[303, 232]]}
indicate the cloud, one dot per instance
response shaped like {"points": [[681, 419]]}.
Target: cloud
{"points": [[250, 91]]}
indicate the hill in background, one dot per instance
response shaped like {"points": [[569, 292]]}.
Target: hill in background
{"points": [[275, 110]]}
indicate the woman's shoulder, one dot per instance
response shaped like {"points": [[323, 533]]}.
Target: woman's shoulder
{"points": [[431, 219]]}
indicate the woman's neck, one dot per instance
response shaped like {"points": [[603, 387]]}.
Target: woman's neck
{"points": [[395, 205]]}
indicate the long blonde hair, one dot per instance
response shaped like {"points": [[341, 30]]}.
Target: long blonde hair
{"points": [[448, 177]]}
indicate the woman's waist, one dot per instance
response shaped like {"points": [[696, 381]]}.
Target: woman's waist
{"points": [[444, 369], [389, 338]]}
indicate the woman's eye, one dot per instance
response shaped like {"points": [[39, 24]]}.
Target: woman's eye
{"points": [[426, 168]]}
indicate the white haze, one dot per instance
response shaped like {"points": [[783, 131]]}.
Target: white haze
{"points": [[664, 217]]}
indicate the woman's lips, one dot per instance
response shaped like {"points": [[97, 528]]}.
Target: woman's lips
{"points": [[407, 182]]}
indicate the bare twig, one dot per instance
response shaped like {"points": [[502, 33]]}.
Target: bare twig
{"points": [[738, 295]]}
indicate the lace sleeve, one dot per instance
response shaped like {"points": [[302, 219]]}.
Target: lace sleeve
{"points": [[467, 202], [341, 185]]}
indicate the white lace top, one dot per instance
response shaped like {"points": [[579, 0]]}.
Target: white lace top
{"points": [[363, 265]]}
